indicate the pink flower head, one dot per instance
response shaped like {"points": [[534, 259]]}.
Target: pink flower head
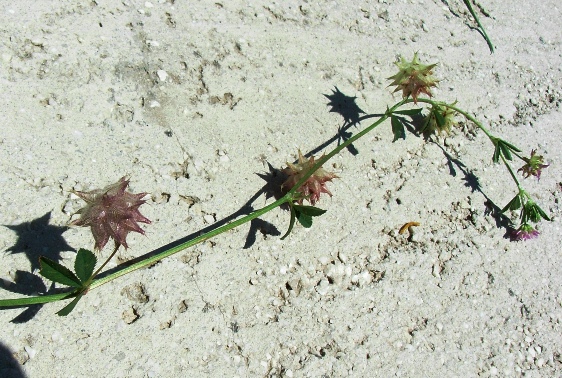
{"points": [[314, 186], [534, 165], [525, 232], [111, 212]]}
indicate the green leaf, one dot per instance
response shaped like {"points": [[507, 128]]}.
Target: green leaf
{"points": [[505, 150], [304, 214], [84, 264], [511, 146], [534, 212], [309, 210], [543, 214], [69, 307], [58, 273], [408, 112], [304, 219], [514, 204], [496, 157], [397, 128]]}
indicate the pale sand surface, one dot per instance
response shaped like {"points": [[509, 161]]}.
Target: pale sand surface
{"points": [[193, 99]]}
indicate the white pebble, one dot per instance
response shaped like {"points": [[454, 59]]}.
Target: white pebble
{"points": [[540, 362], [323, 287], [324, 260], [30, 351], [209, 218], [154, 104], [162, 75]]}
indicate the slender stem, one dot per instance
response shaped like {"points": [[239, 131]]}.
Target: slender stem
{"points": [[87, 284], [286, 198], [27, 301], [473, 13], [162, 255], [512, 173]]}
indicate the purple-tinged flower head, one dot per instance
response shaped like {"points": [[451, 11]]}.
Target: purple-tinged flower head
{"points": [[534, 165], [111, 212], [413, 78], [524, 232], [314, 186]]}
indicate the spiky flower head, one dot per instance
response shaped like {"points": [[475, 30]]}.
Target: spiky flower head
{"points": [[111, 212], [534, 165], [524, 232], [314, 186], [413, 78], [440, 118]]}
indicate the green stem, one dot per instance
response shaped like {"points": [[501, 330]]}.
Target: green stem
{"points": [[513, 176], [286, 198], [162, 255], [28, 301], [473, 13]]}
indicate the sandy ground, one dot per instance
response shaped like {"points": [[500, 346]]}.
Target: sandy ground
{"points": [[193, 99]]}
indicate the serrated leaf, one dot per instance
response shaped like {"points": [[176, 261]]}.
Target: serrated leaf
{"points": [[57, 272], [309, 210], [84, 264], [397, 129], [409, 112], [69, 307]]}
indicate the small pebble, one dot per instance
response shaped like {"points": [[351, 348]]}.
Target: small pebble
{"points": [[162, 75], [30, 351]]}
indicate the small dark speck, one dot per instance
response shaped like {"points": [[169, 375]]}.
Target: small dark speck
{"points": [[168, 133], [100, 24]]}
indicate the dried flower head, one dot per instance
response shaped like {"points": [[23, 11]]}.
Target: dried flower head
{"points": [[534, 165], [525, 232], [314, 186], [440, 118], [111, 212], [413, 78]]}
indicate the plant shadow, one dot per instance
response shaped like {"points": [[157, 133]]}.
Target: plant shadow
{"points": [[35, 238], [9, 366], [415, 126], [38, 238]]}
